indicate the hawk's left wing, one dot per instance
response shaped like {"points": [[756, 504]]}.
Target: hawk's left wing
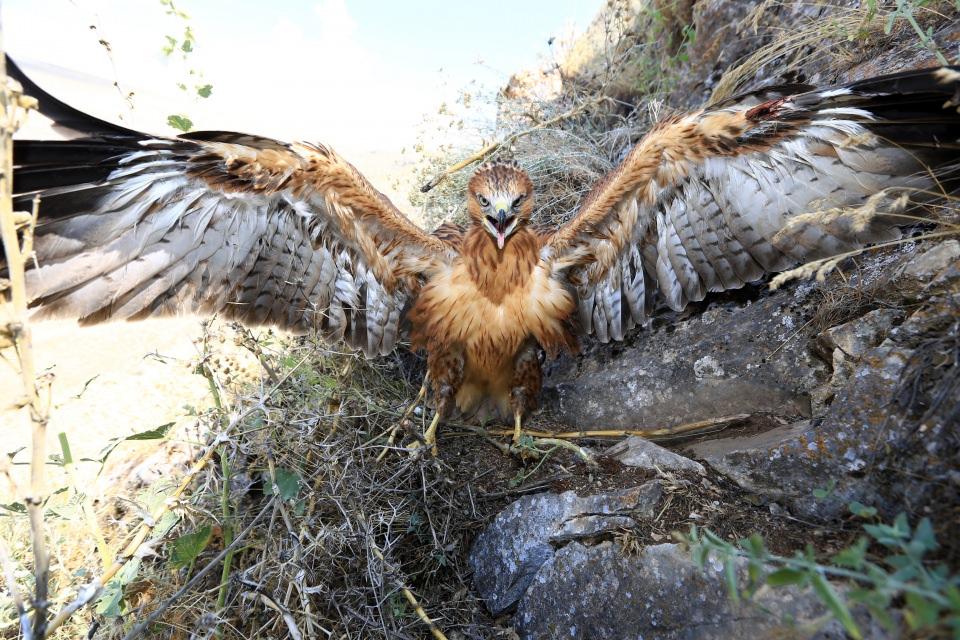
{"points": [[704, 202]]}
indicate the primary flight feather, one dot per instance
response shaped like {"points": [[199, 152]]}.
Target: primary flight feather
{"points": [[294, 236]]}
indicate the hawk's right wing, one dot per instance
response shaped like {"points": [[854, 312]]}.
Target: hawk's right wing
{"points": [[251, 228]]}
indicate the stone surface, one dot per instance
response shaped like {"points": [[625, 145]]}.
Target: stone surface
{"points": [[933, 261], [735, 357], [507, 554], [599, 593], [844, 345], [855, 337], [640, 452], [869, 438]]}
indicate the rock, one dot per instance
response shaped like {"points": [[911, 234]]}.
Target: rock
{"points": [[931, 262], [869, 441], [855, 337], [507, 554], [589, 526], [598, 593], [843, 346], [737, 457], [640, 452], [733, 358]]}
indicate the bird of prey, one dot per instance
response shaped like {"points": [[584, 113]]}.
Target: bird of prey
{"points": [[292, 235]]}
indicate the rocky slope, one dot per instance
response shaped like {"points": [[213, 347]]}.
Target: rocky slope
{"points": [[851, 384]]}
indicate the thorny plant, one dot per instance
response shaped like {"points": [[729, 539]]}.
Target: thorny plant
{"points": [[887, 564], [286, 524], [907, 10]]}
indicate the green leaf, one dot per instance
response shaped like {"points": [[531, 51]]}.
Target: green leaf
{"points": [[65, 448], [188, 547], [730, 574], [183, 123], [823, 492], [783, 577], [755, 544], [152, 434], [906, 574], [924, 535], [901, 525], [187, 46], [836, 606], [205, 90], [15, 507], [861, 510], [287, 484], [754, 573], [108, 604], [884, 534], [164, 525], [899, 561], [701, 556], [953, 597], [921, 612], [854, 555]]}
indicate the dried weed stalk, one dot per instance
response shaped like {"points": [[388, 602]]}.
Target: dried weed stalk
{"points": [[16, 231]]}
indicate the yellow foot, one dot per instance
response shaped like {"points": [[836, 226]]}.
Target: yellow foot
{"points": [[406, 414], [517, 431], [429, 436]]}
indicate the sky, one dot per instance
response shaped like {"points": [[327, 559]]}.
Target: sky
{"points": [[357, 74]]}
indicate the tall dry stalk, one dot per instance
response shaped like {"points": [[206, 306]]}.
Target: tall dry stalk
{"points": [[16, 230]]}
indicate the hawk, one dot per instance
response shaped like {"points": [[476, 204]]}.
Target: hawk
{"points": [[292, 235]]}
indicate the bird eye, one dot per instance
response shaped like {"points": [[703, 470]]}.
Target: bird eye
{"points": [[516, 203], [483, 201]]}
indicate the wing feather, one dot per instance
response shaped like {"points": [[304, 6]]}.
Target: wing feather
{"points": [[715, 199], [217, 222]]}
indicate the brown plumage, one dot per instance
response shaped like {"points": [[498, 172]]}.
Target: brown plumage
{"points": [[293, 235]]}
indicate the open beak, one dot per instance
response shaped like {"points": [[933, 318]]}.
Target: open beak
{"points": [[503, 224]]}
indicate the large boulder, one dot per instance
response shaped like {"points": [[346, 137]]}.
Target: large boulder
{"points": [[733, 358], [599, 592], [525, 535]]}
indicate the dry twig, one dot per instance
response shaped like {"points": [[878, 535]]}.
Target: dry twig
{"points": [[12, 226], [486, 151], [689, 429]]}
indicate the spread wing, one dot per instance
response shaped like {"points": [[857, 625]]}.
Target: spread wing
{"points": [[704, 202], [251, 228]]}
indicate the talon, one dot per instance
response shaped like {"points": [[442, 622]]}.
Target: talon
{"points": [[403, 418], [429, 437]]}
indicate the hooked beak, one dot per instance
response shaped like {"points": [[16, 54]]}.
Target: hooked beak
{"points": [[502, 225]]}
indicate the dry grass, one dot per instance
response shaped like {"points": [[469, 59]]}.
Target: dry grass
{"points": [[567, 141], [832, 36], [344, 542], [309, 534]]}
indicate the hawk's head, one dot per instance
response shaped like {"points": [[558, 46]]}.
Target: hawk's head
{"points": [[500, 199]]}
